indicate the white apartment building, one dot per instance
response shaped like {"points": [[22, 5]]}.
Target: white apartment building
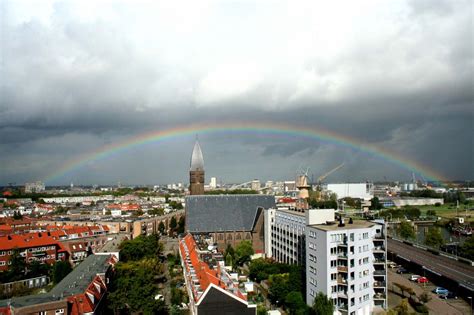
{"points": [[347, 262], [285, 232]]}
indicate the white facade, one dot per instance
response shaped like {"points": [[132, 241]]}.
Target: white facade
{"points": [[285, 232], [35, 187], [348, 264], [213, 183], [353, 190]]}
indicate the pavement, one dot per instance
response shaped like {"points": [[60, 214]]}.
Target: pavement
{"points": [[435, 305], [447, 267]]}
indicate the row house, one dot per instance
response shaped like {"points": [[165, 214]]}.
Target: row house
{"points": [[33, 247]]}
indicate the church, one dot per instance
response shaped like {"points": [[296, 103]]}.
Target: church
{"points": [[227, 219]]}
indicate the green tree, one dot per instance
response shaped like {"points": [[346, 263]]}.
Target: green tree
{"points": [[17, 266], [431, 213], [60, 270], [161, 228], [434, 238], [140, 247], [467, 249], [402, 308], [181, 224], [405, 230], [243, 251], [279, 288], [261, 310], [295, 303], [229, 260], [375, 204], [173, 223], [322, 305], [17, 215]]}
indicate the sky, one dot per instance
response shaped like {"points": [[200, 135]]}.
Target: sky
{"points": [[76, 76]]}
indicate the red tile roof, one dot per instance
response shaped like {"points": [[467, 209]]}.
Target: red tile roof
{"points": [[205, 275], [28, 240]]}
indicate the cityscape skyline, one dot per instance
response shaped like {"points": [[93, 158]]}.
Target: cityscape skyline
{"points": [[371, 72]]}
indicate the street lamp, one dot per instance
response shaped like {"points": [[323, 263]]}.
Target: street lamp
{"points": [[470, 298]]}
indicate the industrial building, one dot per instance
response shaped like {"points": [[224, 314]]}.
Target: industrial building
{"points": [[362, 191]]}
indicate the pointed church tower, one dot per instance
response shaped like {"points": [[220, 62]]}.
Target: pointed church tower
{"points": [[196, 171]]}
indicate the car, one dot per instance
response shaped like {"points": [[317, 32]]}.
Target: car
{"points": [[422, 280], [401, 270], [440, 291], [159, 297], [414, 277], [450, 295]]}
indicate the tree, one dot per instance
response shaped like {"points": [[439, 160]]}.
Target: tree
{"points": [[405, 230], [434, 238], [295, 303], [425, 297], [161, 227], [375, 204], [322, 305], [279, 288], [402, 308], [17, 265], [467, 249], [243, 251], [181, 224], [60, 270], [17, 215], [173, 223], [229, 260], [431, 213]]}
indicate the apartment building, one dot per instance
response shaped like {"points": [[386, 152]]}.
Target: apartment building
{"points": [[81, 292], [285, 232], [347, 262], [33, 247]]}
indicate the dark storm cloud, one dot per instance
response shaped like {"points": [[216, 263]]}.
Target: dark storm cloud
{"points": [[76, 76]]}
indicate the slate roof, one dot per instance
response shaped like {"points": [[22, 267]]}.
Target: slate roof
{"points": [[216, 213], [74, 283]]}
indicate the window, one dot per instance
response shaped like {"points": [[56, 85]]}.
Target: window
{"points": [[333, 250], [333, 263], [365, 235], [333, 276], [60, 311]]}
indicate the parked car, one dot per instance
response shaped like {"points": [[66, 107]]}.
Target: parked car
{"points": [[440, 291], [422, 280], [401, 270], [414, 277], [450, 295]]}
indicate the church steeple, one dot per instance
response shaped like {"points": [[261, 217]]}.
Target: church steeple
{"points": [[197, 161], [196, 171]]}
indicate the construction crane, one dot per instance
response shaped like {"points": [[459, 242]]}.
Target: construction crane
{"points": [[323, 177]]}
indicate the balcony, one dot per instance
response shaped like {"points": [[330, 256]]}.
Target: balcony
{"points": [[379, 272], [341, 255], [379, 249], [341, 281], [379, 236], [342, 294], [380, 284], [379, 261], [342, 268], [379, 296]]}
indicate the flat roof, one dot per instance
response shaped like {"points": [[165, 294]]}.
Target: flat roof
{"points": [[356, 224], [293, 212]]}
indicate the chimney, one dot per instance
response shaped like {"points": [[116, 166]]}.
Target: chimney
{"points": [[341, 222], [350, 221]]}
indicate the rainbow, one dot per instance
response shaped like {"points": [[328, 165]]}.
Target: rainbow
{"points": [[272, 129]]}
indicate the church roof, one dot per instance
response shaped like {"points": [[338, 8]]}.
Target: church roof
{"points": [[214, 213], [197, 161]]}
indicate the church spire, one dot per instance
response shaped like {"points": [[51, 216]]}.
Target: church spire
{"points": [[197, 161]]}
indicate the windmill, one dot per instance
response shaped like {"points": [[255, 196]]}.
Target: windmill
{"points": [[302, 183]]}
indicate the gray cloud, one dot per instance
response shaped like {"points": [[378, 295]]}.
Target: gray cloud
{"points": [[76, 76]]}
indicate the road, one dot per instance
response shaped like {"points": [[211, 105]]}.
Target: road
{"points": [[444, 266]]}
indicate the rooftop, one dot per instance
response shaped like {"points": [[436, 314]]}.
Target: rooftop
{"points": [[74, 283], [356, 224], [213, 213]]}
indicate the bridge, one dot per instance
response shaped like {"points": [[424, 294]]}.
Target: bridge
{"points": [[451, 273]]}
